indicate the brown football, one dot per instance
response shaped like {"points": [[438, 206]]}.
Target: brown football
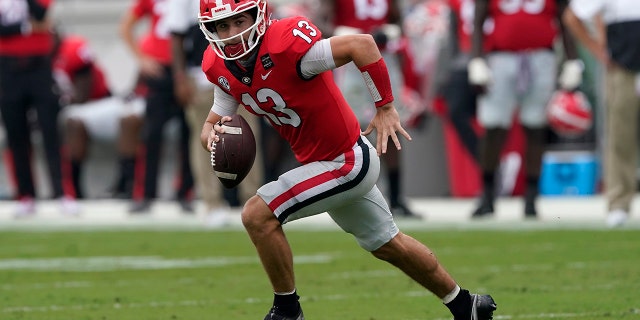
{"points": [[232, 157]]}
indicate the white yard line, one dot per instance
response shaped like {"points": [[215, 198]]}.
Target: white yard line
{"points": [[101, 264]]}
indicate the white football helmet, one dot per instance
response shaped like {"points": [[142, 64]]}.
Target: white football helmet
{"points": [[214, 10]]}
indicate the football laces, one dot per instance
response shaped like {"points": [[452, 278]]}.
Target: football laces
{"points": [[213, 154]]}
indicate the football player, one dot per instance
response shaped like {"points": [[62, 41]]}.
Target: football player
{"points": [[280, 70], [519, 71], [91, 112]]}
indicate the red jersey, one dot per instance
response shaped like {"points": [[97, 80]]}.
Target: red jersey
{"points": [[365, 15], [73, 56], [312, 115], [157, 42], [22, 45], [523, 24]]}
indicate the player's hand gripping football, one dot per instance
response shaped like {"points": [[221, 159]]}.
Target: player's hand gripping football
{"points": [[215, 130], [386, 122]]}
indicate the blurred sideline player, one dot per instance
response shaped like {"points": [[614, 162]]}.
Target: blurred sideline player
{"points": [[153, 54], [383, 20], [27, 85], [280, 70], [90, 112], [461, 97], [518, 73], [194, 91]]}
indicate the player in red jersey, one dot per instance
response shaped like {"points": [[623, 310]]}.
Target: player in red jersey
{"points": [[520, 73], [80, 80], [280, 70], [90, 111]]}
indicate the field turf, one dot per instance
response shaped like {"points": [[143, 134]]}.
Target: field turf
{"points": [[138, 275]]}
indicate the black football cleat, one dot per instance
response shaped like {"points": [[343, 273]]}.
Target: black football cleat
{"points": [[273, 315], [186, 206], [484, 209], [482, 307], [530, 211], [140, 207]]}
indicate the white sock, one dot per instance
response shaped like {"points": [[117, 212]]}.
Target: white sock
{"points": [[285, 293], [452, 295]]}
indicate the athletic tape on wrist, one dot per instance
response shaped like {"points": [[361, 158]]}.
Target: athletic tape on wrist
{"points": [[376, 77]]}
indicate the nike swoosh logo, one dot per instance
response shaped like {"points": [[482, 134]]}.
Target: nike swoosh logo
{"points": [[265, 76]]}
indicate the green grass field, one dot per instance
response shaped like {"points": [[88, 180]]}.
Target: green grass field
{"points": [[136, 275]]}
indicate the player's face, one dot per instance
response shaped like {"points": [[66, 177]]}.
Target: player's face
{"points": [[232, 26], [235, 31]]}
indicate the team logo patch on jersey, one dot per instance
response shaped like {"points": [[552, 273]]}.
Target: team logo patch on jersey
{"points": [[266, 61], [224, 83]]}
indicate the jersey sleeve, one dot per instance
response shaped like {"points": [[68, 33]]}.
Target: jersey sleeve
{"points": [[224, 104], [296, 36], [208, 61]]}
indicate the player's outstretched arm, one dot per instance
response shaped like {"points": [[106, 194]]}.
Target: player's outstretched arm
{"points": [[363, 51], [359, 48]]}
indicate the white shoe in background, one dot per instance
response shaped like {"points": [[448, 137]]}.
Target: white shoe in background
{"points": [[25, 208], [217, 218], [617, 218], [69, 206]]}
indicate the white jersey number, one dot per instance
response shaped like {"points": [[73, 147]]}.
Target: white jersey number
{"points": [[161, 9], [306, 29], [265, 95], [528, 6], [371, 9]]}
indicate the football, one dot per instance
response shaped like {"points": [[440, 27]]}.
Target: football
{"points": [[233, 155]]}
